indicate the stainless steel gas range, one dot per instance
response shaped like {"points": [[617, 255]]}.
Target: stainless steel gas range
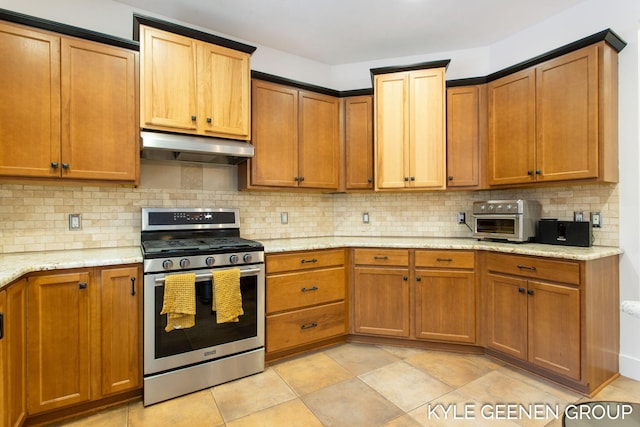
{"points": [[199, 241]]}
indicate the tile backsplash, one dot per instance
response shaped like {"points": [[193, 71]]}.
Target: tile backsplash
{"points": [[35, 217]]}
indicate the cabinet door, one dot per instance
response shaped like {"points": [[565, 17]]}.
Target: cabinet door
{"points": [[224, 80], [318, 141], [15, 338], [120, 326], [554, 328], [507, 315], [567, 116], [359, 142], [168, 73], [464, 136], [446, 306], [99, 125], [381, 301], [512, 129], [4, 365], [30, 107], [427, 127], [274, 135], [392, 132], [58, 347]]}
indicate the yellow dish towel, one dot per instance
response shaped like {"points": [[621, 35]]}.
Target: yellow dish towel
{"points": [[227, 301], [179, 302]]}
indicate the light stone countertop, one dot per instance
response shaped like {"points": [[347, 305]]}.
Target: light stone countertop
{"points": [[15, 265], [534, 249]]}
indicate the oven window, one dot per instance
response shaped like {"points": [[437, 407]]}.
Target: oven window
{"points": [[496, 226], [206, 332]]}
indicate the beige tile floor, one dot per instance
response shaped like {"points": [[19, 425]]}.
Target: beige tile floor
{"points": [[366, 385]]}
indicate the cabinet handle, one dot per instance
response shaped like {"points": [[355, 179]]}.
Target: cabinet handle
{"points": [[380, 257], [529, 172], [208, 119], [369, 180], [405, 278], [521, 290], [65, 166], [295, 178], [418, 279], [450, 178], [444, 259], [526, 267], [54, 165], [308, 260], [193, 118], [309, 326], [82, 285], [529, 291], [1, 325], [133, 286], [301, 178], [538, 172], [314, 288]]}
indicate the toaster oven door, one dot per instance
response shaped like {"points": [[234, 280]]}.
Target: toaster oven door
{"points": [[503, 227]]}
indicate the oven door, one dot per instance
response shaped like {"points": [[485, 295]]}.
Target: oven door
{"points": [[206, 340], [504, 227]]}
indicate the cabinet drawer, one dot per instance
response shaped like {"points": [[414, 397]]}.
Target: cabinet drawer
{"points": [[399, 257], [445, 259], [305, 326], [276, 263], [538, 268], [297, 290]]}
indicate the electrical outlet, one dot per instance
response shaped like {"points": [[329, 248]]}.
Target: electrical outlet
{"points": [[596, 219], [365, 217], [284, 217], [462, 218], [75, 223]]}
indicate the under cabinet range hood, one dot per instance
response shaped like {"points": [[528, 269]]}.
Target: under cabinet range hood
{"points": [[169, 146]]}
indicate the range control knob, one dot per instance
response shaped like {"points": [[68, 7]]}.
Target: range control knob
{"points": [[210, 261], [184, 263], [167, 264], [247, 258], [233, 259]]}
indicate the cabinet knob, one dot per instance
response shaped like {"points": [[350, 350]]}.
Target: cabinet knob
{"points": [[538, 171], [301, 178], [82, 285], [406, 178], [369, 180], [54, 165], [521, 290], [65, 166], [413, 178], [418, 279], [530, 292], [450, 178], [208, 119], [193, 118], [405, 278], [529, 172]]}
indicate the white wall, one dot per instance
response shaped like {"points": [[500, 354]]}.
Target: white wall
{"points": [[589, 17]]}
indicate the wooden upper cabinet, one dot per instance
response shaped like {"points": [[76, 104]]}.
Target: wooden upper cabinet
{"points": [[466, 137], [410, 129], [358, 135], [99, 104], [512, 129], [296, 138], [72, 107], [567, 116], [190, 86], [556, 121], [30, 107]]}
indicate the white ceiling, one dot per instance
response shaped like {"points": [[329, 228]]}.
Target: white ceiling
{"points": [[346, 31]]}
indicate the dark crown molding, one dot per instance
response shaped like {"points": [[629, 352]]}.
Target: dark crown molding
{"points": [[69, 30], [187, 32], [259, 75], [418, 66]]}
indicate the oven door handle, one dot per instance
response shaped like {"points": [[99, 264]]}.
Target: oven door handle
{"points": [[207, 276]]}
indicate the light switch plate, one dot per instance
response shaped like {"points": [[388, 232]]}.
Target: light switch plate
{"points": [[75, 222]]}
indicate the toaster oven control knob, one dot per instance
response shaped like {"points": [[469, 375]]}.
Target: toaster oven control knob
{"points": [[210, 261], [233, 259], [247, 258], [167, 264], [184, 263]]}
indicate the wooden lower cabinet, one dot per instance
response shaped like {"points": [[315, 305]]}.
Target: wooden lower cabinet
{"points": [[305, 300], [84, 336], [559, 317]]}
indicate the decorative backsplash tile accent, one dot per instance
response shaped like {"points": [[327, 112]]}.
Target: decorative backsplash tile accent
{"points": [[35, 217]]}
